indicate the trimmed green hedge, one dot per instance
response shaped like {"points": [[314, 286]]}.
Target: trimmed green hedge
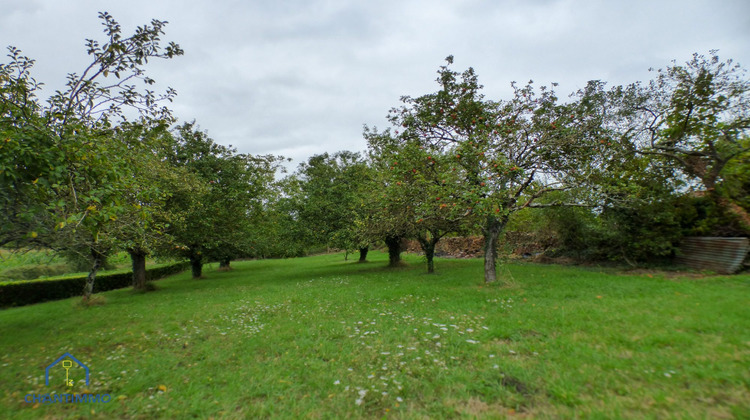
{"points": [[19, 293]]}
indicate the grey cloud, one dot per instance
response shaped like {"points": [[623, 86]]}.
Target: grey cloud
{"points": [[301, 77]]}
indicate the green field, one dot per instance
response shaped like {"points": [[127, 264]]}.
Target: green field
{"points": [[319, 337], [33, 264]]}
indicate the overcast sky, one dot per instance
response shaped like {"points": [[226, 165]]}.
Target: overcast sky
{"points": [[301, 77]]}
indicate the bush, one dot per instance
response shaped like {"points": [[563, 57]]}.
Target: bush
{"points": [[19, 293]]}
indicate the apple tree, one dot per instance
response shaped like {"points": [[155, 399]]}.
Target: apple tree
{"points": [[214, 220], [330, 190], [507, 154], [415, 190], [75, 185]]}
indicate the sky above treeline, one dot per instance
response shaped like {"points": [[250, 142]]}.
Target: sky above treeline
{"points": [[298, 78]]}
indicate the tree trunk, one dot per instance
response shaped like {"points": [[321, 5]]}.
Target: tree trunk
{"points": [[429, 253], [492, 231], [394, 250], [224, 264], [88, 288], [138, 258], [363, 254], [428, 246], [196, 265]]}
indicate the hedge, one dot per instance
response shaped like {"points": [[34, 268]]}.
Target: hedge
{"points": [[19, 293]]}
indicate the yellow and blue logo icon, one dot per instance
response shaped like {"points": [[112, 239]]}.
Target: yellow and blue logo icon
{"points": [[66, 361]]}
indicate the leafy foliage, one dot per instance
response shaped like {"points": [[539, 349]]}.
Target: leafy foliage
{"points": [[215, 217], [332, 189], [65, 172]]}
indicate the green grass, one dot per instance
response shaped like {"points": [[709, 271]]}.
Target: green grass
{"points": [[45, 264], [319, 337], [11, 259]]}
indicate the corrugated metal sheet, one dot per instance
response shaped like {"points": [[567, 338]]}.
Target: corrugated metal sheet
{"points": [[723, 255]]}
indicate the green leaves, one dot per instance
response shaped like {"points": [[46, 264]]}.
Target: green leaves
{"points": [[327, 193], [215, 209]]}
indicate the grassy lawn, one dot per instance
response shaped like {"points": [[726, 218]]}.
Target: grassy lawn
{"points": [[320, 337]]}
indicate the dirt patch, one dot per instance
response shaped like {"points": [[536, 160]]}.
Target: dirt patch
{"points": [[514, 383], [475, 407]]}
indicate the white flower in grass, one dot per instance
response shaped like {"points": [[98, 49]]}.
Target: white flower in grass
{"points": [[472, 341], [399, 399], [337, 382]]}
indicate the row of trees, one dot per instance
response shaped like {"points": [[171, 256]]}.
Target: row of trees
{"points": [[625, 169], [100, 167], [96, 169]]}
